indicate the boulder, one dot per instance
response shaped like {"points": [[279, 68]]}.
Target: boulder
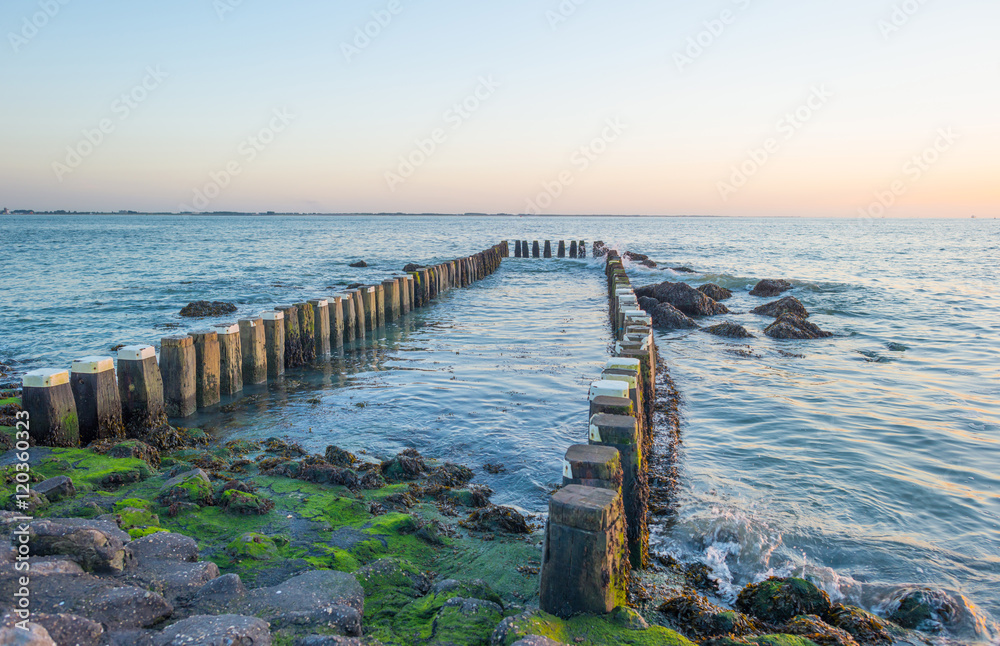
{"points": [[770, 287], [450, 475], [715, 292], [190, 486], [790, 326], [33, 503], [338, 457], [778, 600], [815, 629], [635, 257], [220, 630], [408, 465], [412, 267], [466, 621], [92, 544], [130, 637], [667, 317], [495, 518], [128, 607], [70, 629], [537, 640], [35, 635], [225, 587], [777, 308], [359, 264], [322, 599], [729, 330], [56, 488], [860, 624], [165, 546], [685, 298], [203, 309], [252, 545], [175, 580], [705, 619], [328, 640]]}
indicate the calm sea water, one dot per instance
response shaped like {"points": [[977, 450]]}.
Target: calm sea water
{"points": [[867, 461]]}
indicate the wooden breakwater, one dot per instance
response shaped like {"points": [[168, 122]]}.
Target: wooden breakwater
{"points": [[543, 249], [97, 399], [597, 530]]}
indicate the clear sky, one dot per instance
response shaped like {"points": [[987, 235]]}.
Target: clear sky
{"points": [[729, 107]]}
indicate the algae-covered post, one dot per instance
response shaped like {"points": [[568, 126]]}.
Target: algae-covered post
{"points": [[178, 371], [411, 283], [380, 305], [592, 466], [98, 405], [253, 345], [294, 356], [584, 558], [321, 327], [393, 303], [403, 291], [230, 360], [307, 331], [48, 399], [274, 343], [208, 365], [360, 321], [140, 388]]}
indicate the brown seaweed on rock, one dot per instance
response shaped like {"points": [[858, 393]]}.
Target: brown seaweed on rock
{"points": [[790, 326], [496, 518]]}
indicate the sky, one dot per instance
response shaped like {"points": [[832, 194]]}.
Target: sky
{"points": [[846, 108]]}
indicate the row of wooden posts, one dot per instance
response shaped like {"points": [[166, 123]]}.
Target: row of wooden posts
{"points": [[536, 250], [597, 529], [69, 408]]}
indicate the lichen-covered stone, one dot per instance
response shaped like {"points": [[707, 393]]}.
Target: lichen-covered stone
{"points": [[220, 630], [90, 545], [190, 486], [253, 545]]}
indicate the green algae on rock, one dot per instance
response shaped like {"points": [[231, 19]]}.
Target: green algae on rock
{"points": [[253, 546], [704, 619], [588, 630], [862, 625], [778, 600]]}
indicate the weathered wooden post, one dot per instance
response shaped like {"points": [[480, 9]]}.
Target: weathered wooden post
{"points": [[592, 465], [98, 404], [321, 327], [179, 373], [424, 288], [562, 249], [337, 322], [621, 432], [535, 251], [524, 249], [380, 305], [517, 248], [360, 319], [253, 346], [548, 249], [581, 249], [294, 354], [392, 303], [274, 343], [412, 283], [307, 331], [403, 289], [572, 248], [371, 315], [230, 360], [584, 558], [140, 388], [48, 399], [208, 363]]}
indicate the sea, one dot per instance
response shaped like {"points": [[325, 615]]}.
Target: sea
{"points": [[868, 461]]}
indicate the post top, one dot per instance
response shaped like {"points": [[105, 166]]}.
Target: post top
{"points": [[629, 377], [586, 508], [622, 363], [136, 352], [251, 322], [207, 334], [319, 302], [608, 388], [614, 429], [176, 341], [593, 454], [273, 316], [45, 378], [227, 328], [92, 365]]}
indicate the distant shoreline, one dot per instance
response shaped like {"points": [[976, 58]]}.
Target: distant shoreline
{"points": [[436, 215]]}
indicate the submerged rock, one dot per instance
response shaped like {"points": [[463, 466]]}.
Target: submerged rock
{"points": [[715, 292], [770, 287], [412, 267], [667, 317], [729, 330], [790, 326], [359, 264], [204, 309], [778, 600], [685, 298], [788, 304]]}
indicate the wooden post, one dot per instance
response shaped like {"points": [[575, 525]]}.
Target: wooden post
{"points": [[562, 249], [392, 305], [584, 557], [621, 432], [140, 388], [208, 363], [581, 249], [360, 320], [403, 289], [253, 345], [47, 397], [548, 249], [307, 332], [572, 248], [524, 249], [294, 355], [380, 314], [321, 327], [517, 248], [592, 466], [98, 405], [371, 316], [412, 283], [230, 360], [179, 373], [535, 249], [274, 343], [337, 322]]}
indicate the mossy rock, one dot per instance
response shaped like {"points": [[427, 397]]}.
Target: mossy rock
{"points": [[127, 449], [252, 545], [817, 630], [588, 630], [778, 600], [455, 612], [469, 622], [782, 640], [140, 532], [191, 486], [862, 625], [31, 503], [131, 517], [90, 470], [697, 615], [234, 501]]}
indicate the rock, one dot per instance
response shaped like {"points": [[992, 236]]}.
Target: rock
{"points": [[648, 263], [627, 618], [129, 607], [253, 546], [685, 298], [684, 270], [56, 488], [91, 544], [412, 267], [33, 503], [408, 465], [815, 629], [789, 326], [35, 635], [321, 598], [537, 640], [931, 610], [475, 589], [770, 287], [339, 457], [175, 580], [127, 449], [705, 619], [636, 257], [133, 637], [44, 566], [860, 624], [190, 486], [777, 308], [239, 502], [475, 496], [165, 546], [221, 630], [225, 587], [203, 309], [359, 264], [466, 621], [328, 640], [667, 317], [450, 475], [777, 600], [495, 518], [70, 629], [715, 292], [729, 330]]}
